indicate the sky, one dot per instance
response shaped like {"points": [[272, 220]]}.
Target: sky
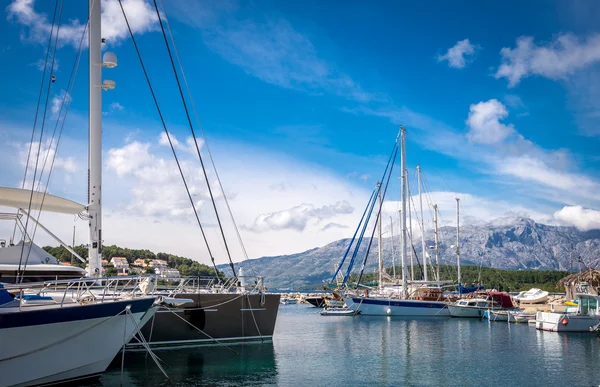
{"points": [[300, 104]]}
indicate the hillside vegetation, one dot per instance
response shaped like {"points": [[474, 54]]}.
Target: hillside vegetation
{"points": [[186, 266]]}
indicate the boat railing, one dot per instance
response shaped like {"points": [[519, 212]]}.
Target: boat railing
{"points": [[93, 289]]}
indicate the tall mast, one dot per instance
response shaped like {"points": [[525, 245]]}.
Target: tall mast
{"points": [[379, 240], [458, 239], [422, 224], [410, 233], [436, 249], [403, 217], [393, 252], [95, 141]]}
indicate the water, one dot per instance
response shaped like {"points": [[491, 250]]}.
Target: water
{"points": [[313, 350]]}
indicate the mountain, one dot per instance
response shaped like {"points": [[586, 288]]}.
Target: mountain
{"points": [[505, 243]]}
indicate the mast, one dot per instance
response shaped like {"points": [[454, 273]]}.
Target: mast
{"points": [[403, 217], [436, 248], [458, 240], [410, 235], [393, 252], [95, 141], [379, 240], [422, 224]]}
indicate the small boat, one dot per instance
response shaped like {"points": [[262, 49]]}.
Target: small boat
{"points": [[520, 317], [496, 315], [288, 301], [476, 307], [532, 296], [318, 302], [585, 319], [338, 312]]}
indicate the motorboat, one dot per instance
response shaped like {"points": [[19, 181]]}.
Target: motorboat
{"points": [[532, 296], [520, 317], [470, 307], [585, 319], [288, 301], [496, 315], [476, 307], [338, 312]]}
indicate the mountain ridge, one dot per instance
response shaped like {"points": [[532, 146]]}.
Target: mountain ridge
{"points": [[504, 243]]}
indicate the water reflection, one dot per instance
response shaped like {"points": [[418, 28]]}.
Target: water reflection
{"points": [[252, 365], [313, 350]]}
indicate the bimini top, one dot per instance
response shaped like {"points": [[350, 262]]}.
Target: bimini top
{"points": [[19, 198]]}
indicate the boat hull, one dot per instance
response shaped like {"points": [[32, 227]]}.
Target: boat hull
{"points": [[465, 311], [212, 318], [552, 321], [318, 302], [52, 344], [393, 307], [495, 315]]}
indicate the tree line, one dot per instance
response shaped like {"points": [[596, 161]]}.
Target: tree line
{"points": [[490, 278], [186, 266]]}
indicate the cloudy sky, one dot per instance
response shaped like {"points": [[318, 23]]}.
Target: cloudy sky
{"points": [[300, 103]]}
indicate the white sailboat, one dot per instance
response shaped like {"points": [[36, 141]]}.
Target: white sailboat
{"points": [[390, 305], [45, 341]]}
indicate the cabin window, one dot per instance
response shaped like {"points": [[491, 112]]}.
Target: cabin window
{"points": [[588, 305]]}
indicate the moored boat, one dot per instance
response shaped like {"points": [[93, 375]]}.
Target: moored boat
{"points": [[65, 341], [338, 312], [585, 319], [532, 296], [476, 307]]}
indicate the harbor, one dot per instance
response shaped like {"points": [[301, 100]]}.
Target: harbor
{"points": [[198, 193]]}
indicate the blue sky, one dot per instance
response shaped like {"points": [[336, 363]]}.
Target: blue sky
{"points": [[301, 103]]}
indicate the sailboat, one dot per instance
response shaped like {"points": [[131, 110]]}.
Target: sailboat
{"points": [[390, 305], [45, 341], [215, 312]]}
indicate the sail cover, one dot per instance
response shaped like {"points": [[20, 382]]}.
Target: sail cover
{"points": [[19, 198]]}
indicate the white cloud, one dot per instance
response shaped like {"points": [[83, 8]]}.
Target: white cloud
{"points": [[459, 54], [115, 106], [47, 153], [189, 146], [129, 158], [582, 218], [562, 56], [57, 102], [298, 217], [484, 122], [140, 14], [41, 63]]}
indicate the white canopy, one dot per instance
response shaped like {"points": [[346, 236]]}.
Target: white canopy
{"points": [[19, 198]]}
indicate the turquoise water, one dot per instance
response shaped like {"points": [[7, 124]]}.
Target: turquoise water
{"points": [[313, 350]]}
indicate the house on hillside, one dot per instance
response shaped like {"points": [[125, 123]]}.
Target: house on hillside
{"points": [[158, 263], [167, 273], [104, 262], [141, 262], [121, 264]]}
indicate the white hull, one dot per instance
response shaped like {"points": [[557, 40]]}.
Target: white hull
{"points": [[466, 311], [532, 296], [551, 321], [39, 354], [496, 315], [394, 307]]}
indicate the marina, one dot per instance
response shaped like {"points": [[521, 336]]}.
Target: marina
{"points": [[346, 239]]}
